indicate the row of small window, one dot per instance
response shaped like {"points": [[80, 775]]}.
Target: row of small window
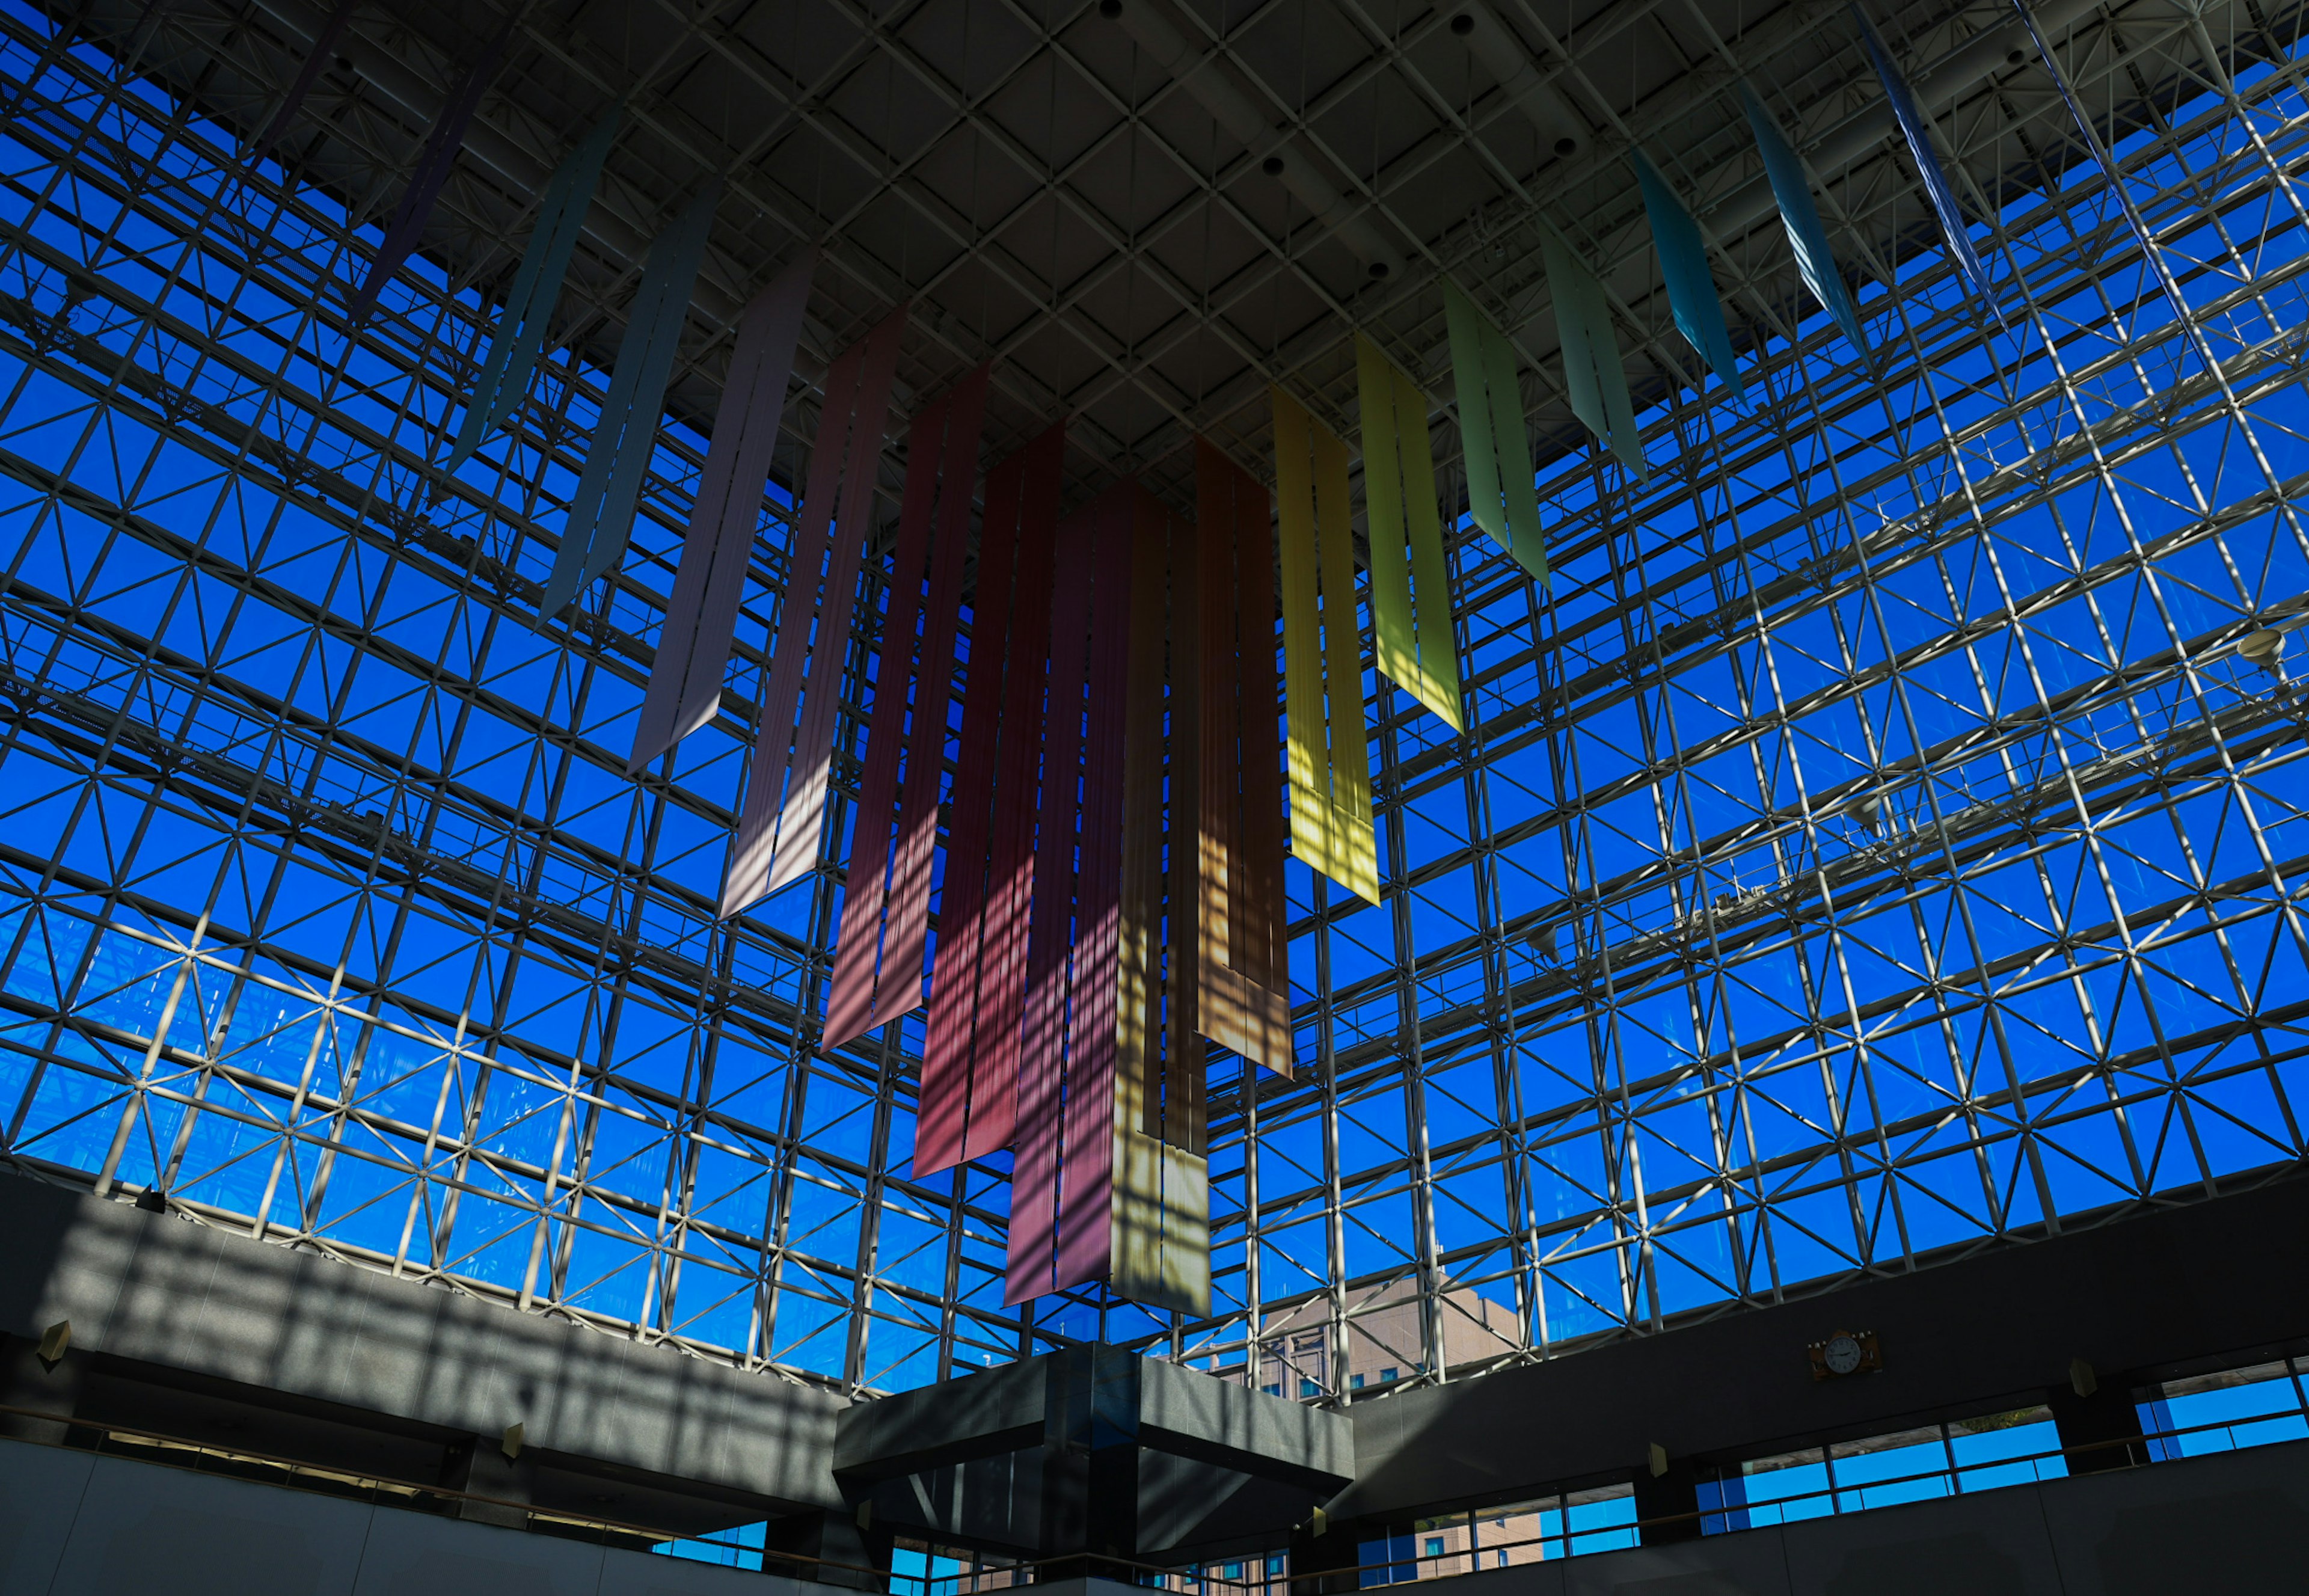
{"points": [[1308, 1388], [1237, 1572], [1497, 1537], [2258, 1406], [2219, 1412]]}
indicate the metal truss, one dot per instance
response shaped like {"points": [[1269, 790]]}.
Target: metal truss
{"points": [[1875, 848]]}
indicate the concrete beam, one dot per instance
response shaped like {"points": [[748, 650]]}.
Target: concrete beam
{"points": [[2201, 1286], [157, 1289], [982, 1415], [1190, 1414]]}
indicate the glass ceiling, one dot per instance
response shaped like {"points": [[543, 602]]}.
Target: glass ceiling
{"points": [[1876, 846]]}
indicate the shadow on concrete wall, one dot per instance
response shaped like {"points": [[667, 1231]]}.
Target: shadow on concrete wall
{"points": [[296, 1354]]}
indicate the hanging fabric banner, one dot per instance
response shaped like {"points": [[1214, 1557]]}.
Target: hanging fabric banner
{"points": [[1062, 1180], [784, 818], [1592, 371], [1241, 957], [701, 617], [1683, 265], [1109, 1180], [1411, 633], [967, 1105], [878, 958], [1329, 755], [1160, 1211], [1917, 132], [1501, 494], [536, 290], [316, 59], [1806, 237], [610, 486], [431, 172]]}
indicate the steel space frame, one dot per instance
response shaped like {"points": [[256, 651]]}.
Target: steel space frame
{"points": [[1874, 849]]}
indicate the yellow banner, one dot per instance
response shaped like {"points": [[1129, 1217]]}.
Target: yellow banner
{"points": [[1322, 655], [1411, 586]]}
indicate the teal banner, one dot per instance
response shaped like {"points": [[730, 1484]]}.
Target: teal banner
{"points": [[536, 290], [602, 510], [1805, 234], [1592, 371], [1683, 264]]}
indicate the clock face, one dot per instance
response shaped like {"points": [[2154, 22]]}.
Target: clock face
{"points": [[1842, 1354]]}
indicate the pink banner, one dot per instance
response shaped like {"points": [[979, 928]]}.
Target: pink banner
{"points": [[1042, 1077], [1086, 1202], [906, 942], [944, 1107], [801, 826], [1010, 842], [701, 618], [780, 821]]}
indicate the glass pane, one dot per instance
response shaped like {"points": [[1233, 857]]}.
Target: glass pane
{"points": [[1789, 1487], [1909, 1467], [2253, 1407], [1601, 1521], [2006, 1449]]}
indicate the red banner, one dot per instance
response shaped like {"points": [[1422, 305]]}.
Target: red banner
{"points": [[970, 1065]]}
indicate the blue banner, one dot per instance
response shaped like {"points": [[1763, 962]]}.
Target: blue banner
{"points": [[1928, 164], [1805, 234]]}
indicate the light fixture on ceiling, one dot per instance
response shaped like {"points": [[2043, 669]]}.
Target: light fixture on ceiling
{"points": [[1868, 808], [1562, 132], [1543, 942], [1204, 78]]}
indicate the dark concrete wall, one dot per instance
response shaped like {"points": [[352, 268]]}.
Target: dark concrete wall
{"points": [[2231, 1523], [160, 1291], [74, 1524], [2214, 1283], [1096, 1449], [980, 1415]]}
